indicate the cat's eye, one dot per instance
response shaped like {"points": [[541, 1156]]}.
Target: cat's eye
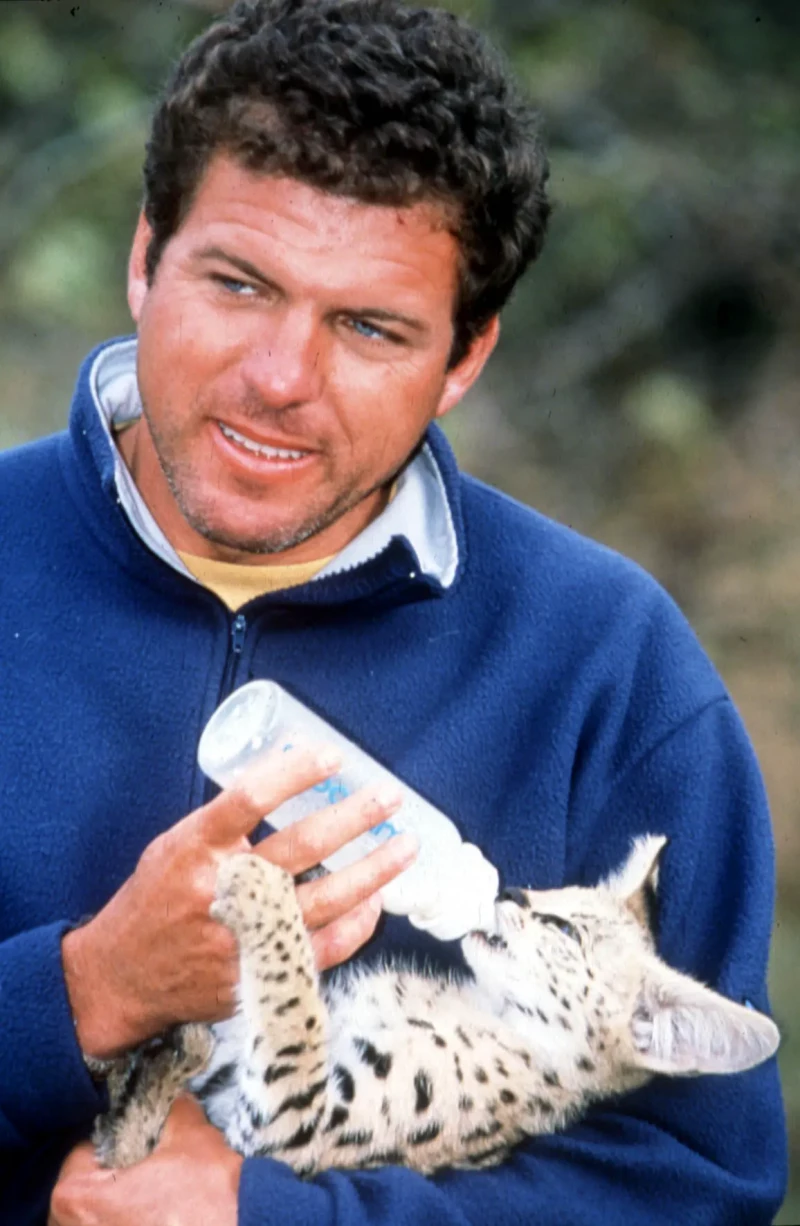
{"points": [[555, 921]]}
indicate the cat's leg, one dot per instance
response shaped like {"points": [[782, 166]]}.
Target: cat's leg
{"points": [[281, 1073], [142, 1089]]}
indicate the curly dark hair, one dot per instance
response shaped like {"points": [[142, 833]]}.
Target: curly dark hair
{"points": [[370, 99]]}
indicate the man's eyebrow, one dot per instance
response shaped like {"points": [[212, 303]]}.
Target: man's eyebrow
{"points": [[217, 253], [379, 313], [376, 313]]}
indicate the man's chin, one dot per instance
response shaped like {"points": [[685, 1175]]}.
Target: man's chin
{"points": [[232, 546], [243, 542]]}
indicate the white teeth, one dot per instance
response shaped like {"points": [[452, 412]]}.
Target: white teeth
{"points": [[278, 453]]}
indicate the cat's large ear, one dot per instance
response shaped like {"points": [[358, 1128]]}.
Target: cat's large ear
{"points": [[681, 1027], [636, 882]]}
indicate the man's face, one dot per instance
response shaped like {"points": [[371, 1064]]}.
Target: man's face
{"points": [[293, 347]]}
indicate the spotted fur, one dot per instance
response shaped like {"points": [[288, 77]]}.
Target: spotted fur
{"points": [[569, 1003]]}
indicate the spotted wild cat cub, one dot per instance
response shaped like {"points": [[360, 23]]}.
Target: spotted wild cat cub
{"points": [[569, 1004]]}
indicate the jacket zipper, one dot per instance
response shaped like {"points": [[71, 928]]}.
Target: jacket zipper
{"points": [[237, 635], [238, 632]]}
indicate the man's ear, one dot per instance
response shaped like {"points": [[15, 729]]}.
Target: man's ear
{"points": [[681, 1027], [460, 379], [137, 268]]}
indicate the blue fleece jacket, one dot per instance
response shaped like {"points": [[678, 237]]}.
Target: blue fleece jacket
{"points": [[552, 700]]}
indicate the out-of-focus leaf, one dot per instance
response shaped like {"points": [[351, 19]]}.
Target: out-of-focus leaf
{"points": [[66, 272], [666, 409], [105, 98], [31, 67]]}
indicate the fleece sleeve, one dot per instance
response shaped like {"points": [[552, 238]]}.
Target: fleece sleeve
{"points": [[707, 1150], [44, 1085]]}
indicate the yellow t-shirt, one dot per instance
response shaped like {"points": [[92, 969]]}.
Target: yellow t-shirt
{"points": [[236, 583]]}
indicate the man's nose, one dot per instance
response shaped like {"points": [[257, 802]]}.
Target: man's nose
{"points": [[285, 367]]}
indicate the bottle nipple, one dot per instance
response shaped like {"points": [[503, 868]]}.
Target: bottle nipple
{"points": [[461, 899]]}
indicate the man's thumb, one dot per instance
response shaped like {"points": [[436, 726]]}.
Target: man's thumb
{"points": [[186, 1113]]}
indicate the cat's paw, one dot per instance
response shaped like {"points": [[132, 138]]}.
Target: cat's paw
{"points": [[249, 891], [193, 1044]]}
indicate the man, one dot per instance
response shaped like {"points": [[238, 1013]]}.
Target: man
{"points": [[339, 199]]}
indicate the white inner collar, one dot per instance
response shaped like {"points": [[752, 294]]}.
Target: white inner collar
{"points": [[419, 510]]}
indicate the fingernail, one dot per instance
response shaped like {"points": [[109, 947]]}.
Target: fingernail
{"points": [[329, 760], [389, 797], [375, 903], [405, 845]]}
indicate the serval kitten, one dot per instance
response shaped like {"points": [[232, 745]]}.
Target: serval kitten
{"points": [[568, 1003]]}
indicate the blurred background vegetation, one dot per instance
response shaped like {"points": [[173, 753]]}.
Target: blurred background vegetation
{"points": [[646, 388]]}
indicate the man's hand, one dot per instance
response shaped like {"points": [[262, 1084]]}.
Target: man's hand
{"points": [[154, 956], [190, 1179]]}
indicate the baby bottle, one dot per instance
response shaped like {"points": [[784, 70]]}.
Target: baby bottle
{"points": [[449, 890]]}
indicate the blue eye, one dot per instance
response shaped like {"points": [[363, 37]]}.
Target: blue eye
{"points": [[368, 330], [233, 286], [555, 921]]}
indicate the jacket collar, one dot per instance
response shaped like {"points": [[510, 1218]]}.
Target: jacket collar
{"points": [[417, 540]]}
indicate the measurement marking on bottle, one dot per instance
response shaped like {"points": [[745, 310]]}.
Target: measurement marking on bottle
{"points": [[384, 831], [332, 789]]}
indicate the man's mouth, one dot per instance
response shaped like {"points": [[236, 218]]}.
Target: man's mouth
{"points": [[262, 449]]}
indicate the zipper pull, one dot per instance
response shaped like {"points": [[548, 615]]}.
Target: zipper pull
{"points": [[238, 631]]}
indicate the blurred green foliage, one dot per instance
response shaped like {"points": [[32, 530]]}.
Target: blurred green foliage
{"points": [[646, 387]]}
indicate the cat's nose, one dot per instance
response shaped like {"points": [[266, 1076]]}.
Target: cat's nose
{"points": [[513, 894]]}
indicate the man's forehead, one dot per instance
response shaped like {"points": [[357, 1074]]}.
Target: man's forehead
{"points": [[272, 200]]}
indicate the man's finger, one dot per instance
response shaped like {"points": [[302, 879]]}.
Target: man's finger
{"points": [[337, 942], [306, 843], [260, 789], [81, 1179], [331, 897], [82, 1160]]}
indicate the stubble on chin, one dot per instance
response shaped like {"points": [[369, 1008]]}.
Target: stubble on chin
{"points": [[278, 541]]}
